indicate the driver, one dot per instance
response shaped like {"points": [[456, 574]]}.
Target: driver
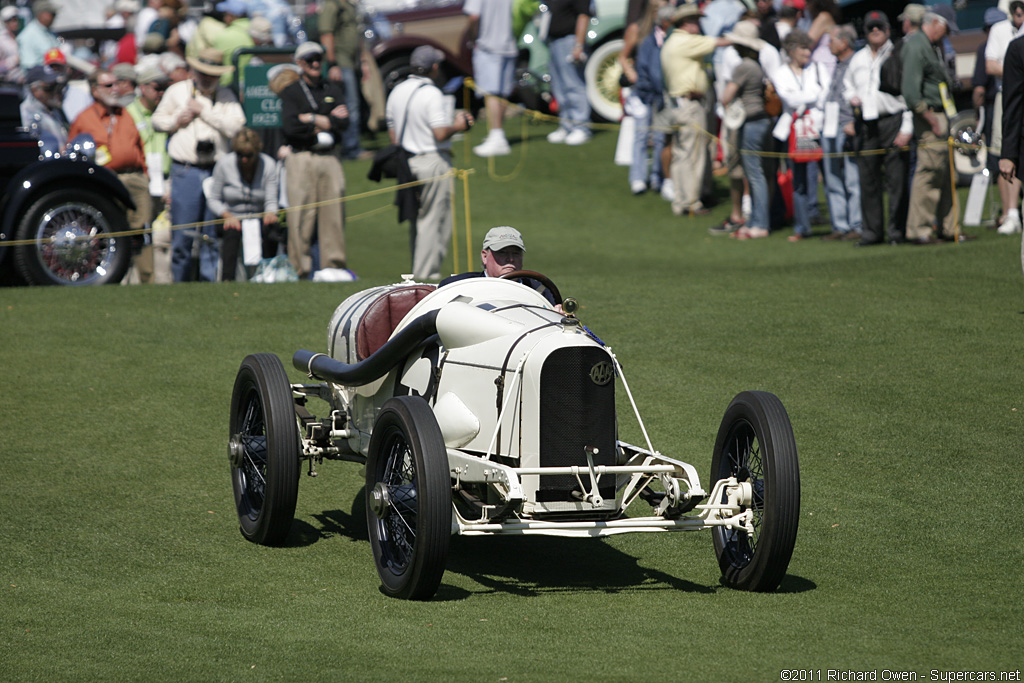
{"points": [[502, 253]]}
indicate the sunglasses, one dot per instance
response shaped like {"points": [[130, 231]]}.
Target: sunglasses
{"points": [[876, 27], [312, 59], [245, 155], [105, 85]]}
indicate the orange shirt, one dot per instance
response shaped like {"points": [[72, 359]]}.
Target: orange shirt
{"points": [[115, 131]]}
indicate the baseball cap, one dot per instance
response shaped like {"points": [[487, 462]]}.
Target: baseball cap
{"points": [[41, 74], [261, 29], [308, 49], [498, 238], [236, 7], [55, 56], [40, 6], [152, 73], [425, 56], [913, 13], [993, 15], [875, 18], [949, 14], [799, 5], [8, 13], [123, 71]]}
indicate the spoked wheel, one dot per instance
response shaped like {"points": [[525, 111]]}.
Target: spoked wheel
{"points": [[755, 444], [408, 499], [264, 450]]}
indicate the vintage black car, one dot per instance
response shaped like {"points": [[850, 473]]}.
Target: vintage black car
{"points": [[62, 218]]}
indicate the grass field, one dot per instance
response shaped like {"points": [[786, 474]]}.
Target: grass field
{"points": [[120, 556]]}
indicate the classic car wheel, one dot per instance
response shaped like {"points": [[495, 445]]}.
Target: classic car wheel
{"points": [[534, 275], [408, 498], [264, 450], [601, 75], [755, 444], [68, 228]]}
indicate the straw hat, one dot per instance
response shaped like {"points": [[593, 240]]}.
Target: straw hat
{"points": [[746, 33], [210, 62]]}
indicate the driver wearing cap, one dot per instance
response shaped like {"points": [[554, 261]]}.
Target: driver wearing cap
{"points": [[502, 253]]}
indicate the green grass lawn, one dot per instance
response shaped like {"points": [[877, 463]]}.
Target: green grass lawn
{"points": [[120, 556]]}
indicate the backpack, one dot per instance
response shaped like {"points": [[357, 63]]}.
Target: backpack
{"points": [[891, 73]]}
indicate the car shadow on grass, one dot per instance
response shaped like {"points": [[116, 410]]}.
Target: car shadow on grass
{"points": [[535, 565], [351, 525]]}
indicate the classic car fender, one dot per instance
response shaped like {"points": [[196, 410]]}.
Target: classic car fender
{"points": [[36, 179]]}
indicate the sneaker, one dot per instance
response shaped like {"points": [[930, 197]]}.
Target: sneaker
{"points": [[1011, 225], [579, 136], [558, 136], [637, 186], [668, 190], [493, 146]]}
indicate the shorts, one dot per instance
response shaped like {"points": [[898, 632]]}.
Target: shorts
{"points": [[494, 74]]}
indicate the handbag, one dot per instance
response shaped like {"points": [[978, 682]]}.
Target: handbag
{"points": [[392, 160], [804, 141], [772, 101]]}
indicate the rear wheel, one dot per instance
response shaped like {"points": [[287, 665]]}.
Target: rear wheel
{"points": [[69, 230], [755, 444], [264, 450], [408, 499]]}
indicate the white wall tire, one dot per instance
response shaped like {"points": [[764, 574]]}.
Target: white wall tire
{"points": [[601, 75]]}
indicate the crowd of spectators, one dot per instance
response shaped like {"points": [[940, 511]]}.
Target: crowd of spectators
{"points": [[711, 71], [157, 101]]}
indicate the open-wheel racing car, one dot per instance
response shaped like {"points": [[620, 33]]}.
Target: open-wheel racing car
{"points": [[478, 408]]}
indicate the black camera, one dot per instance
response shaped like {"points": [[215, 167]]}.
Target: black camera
{"points": [[204, 153]]}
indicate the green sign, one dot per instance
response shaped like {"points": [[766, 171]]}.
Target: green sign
{"points": [[262, 107]]}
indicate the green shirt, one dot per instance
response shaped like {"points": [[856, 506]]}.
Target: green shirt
{"points": [[341, 19], [922, 73], [153, 141], [234, 36]]}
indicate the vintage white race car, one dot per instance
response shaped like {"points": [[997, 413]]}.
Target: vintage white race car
{"points": [[478, 408]]}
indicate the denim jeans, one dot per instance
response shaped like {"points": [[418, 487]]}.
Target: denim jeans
{"points": [[642, 137], [568, 85], [802, 189], [753, 138], [842, 185], [350, 147], [188, 205]]}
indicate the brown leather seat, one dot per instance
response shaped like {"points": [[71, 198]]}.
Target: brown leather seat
{"points": [[383, 316]]}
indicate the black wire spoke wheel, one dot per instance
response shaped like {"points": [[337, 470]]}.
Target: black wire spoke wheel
{"points": [[263, 450], [70, 230], [408, 499], [755, 444]]}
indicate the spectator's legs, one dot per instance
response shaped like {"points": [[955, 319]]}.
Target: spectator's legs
{"points": [[330, 185], [350, 147], [753, 140], [434, 221], [689, 155], [802, 188], [569, 86]]}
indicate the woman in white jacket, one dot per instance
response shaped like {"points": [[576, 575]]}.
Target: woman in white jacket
{"points": [[800, 88]]}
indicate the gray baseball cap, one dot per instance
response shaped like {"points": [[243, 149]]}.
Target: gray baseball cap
{"points": [[425, 56], [503, 236]]}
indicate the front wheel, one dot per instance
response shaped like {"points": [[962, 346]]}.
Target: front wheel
{"points": [[755, 444], [408, 499], [264, 450], [69, 231]]}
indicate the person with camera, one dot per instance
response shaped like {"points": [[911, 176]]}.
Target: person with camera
{"points": [[201, 117], [420, 119], [313, 118]]}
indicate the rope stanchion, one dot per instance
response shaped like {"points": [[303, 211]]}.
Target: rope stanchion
{"points": [[464, 174], [953, 195]]}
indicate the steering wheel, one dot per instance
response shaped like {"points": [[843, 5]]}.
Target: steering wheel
{"points": [[534, 275]]}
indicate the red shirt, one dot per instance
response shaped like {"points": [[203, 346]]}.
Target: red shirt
{"points": [[115, 131]]}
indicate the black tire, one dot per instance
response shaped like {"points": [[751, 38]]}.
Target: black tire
{"points": [[408, 499], [755, 443], [56, 223], [264, 450], [394, 71]]}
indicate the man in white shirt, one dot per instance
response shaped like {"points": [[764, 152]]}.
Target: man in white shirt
{"points": [[886, 124], [494, 62], [999, 38], [420, 119]]}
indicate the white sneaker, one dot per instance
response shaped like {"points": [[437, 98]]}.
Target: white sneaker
{"points": [[668, 190], [558, 136], [1011, 225], [579, 136], [637, 186], [493, 146], [746, 204]]}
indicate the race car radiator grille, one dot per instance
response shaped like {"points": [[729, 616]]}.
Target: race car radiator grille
{"points": [[577, 409]]}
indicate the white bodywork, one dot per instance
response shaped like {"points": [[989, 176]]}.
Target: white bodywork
{"points": [[484, 378]]}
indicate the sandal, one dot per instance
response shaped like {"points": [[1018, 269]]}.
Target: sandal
{"points": [[726, 227], [796, 237], [753, 234], [741, 234]]}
